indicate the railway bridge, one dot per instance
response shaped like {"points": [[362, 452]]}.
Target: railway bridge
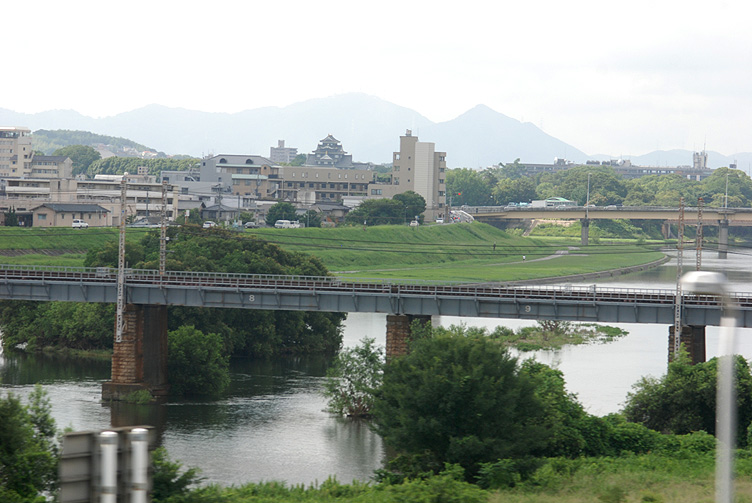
{"points": [[140, 356]]}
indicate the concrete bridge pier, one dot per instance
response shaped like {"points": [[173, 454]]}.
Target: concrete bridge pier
{"points": [[139, 361], [585, 233], [666, 230], [723, 231], [693, 340], [398, 333]]}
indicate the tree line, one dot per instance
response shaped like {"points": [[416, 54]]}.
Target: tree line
{"points": [[504, 184]]}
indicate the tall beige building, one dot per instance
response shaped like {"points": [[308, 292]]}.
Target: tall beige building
{"points": [[15, 151], [417, 167]]}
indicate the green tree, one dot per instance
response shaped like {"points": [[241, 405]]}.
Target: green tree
{"points": [[562, 414], [81, 155], [280, 211], [28, 449], [713, 188], [467, 186], [513, 191], [413, 203], [107, 255], [299, 160], [11, 219], [459, 399], [684, 400], [170, 482], [353, 378], [312, 218], [196, 363], [378, 212]]}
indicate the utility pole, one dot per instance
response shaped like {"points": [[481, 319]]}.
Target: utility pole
{"points": [[163, 231], [700, 202], [678, 302], [119, 323]]}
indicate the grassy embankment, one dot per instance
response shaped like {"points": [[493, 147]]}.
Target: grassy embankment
{"points": [[462, 252], [58, 246]]}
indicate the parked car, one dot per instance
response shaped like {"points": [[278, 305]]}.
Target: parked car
{"points": [[79, 224], [287, 224], [209, 224], [251, 225], [414, 223]]}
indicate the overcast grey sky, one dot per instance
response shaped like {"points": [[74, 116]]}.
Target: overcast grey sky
{"points": [[618, 78]]}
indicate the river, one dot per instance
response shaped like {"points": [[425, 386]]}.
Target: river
{"points": [[272, 425]]}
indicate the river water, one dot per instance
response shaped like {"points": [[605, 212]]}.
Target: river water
{"points": [[272, 425]]}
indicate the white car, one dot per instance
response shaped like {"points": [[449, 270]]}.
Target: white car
{"points": [[79, 224], [209, 224]]}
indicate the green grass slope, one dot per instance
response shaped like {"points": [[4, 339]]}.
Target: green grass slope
{"points": [[458, 252]]}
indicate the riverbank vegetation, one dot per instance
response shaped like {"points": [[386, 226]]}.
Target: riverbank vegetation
{"points": [[470, 423], [546, 334]]}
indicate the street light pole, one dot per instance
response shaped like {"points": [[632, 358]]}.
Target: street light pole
{"points": [[587, 200]]}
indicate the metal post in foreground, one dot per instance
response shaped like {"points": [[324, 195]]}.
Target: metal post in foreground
{"points": [[714, 283], [108, 445], [139, 438]]}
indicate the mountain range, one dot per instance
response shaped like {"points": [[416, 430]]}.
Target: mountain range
{"points": [[368, 127]]}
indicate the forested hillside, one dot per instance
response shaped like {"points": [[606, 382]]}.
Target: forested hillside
{"points": [[119, 165], [48, 141]]}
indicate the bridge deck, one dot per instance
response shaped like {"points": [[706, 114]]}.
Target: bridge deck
{"points": [[314, 293]]}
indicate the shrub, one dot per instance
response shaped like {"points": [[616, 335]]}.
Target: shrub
{"points": [[196, 363]]}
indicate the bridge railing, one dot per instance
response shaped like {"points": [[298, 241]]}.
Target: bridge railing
{"points": [[236, 281]]}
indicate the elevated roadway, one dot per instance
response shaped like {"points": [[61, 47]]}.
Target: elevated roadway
{"points": [[711, 216]]}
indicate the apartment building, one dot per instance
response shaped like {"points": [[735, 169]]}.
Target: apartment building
{"points": [[281, 154], [311, 185], [17, 159], [417, 167], [252, 177], [143, 196], [15, 151]]}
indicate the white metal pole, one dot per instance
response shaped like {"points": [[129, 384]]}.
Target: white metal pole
{"points": [[108, 445], [725, 409], [139, 438]]}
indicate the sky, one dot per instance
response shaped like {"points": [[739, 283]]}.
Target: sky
{"points": [[617, 78]]}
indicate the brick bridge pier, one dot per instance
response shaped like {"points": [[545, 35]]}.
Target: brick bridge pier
{"points": [[139, 361]]}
